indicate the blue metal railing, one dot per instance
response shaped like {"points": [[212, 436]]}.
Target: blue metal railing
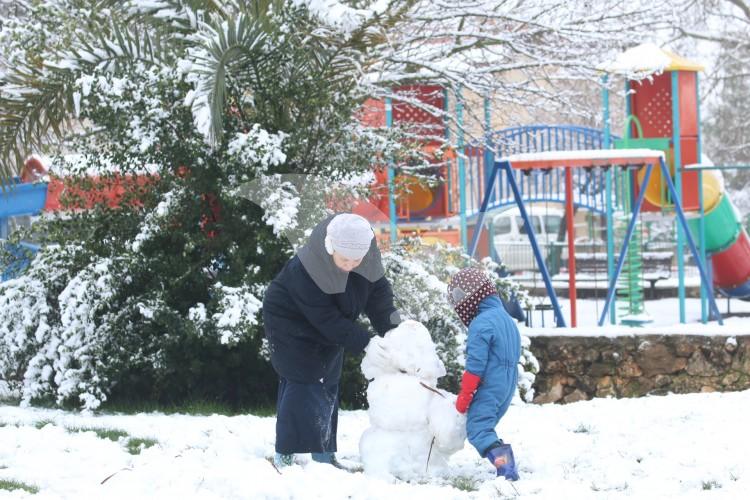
{"points": [[537, 185]]}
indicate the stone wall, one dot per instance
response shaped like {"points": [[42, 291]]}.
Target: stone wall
{"points": [[577, 368]]}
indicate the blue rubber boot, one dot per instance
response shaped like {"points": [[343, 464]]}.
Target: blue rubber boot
{"points": [[501, 456], [326, 457], [281, 460]]}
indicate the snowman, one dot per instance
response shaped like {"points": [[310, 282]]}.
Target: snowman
{"points": [[414, 427]]}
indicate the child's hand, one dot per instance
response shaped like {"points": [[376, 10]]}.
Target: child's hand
{"points": [[463, 401], [469, 384]]}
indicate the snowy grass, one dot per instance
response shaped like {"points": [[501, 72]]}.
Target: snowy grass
{"points": [[11, 485], [40, 424], [133, 445], [196, 407], [465, 483], [111, 434]]}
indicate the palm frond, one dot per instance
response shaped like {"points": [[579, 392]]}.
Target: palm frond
{"points": [[173, 15], [222, 44], [37, 105], [105, 52], [33, 109]]}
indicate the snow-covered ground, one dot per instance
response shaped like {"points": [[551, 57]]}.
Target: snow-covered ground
{"points": [[665, 315], [678, 446]]}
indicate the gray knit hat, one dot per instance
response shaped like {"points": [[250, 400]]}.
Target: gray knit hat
{"points": [[349, 235]]}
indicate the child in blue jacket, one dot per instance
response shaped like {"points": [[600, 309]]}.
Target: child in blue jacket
{"points": [[493, 348]]}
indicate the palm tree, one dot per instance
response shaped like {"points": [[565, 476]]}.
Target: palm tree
{"points": [[521, 54], [229, 40]]}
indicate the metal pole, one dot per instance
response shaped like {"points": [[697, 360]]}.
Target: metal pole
{"points": [[608, 196], [446, 123], [628, 235], [391, 196], [571, 245], [691, 243], [461, 169], [534, 245], [482, 211], [701, 221], [490, 172], [678, 178]]}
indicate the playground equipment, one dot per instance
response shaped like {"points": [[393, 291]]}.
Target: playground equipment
{"points": [[580, 174], [589, 159], [726, 241], [21, 198], [668, 119], [667, 106]]}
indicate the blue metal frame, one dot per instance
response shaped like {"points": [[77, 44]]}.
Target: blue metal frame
{"points": [[541, 186], [22, 198], [540, 137], [631, 226], [505, 166], [19, 199], [499, 143], [537, 186]]}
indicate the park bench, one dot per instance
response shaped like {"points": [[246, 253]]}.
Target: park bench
{"points": [[656, 266]]}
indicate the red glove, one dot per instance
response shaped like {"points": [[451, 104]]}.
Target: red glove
{"points": [[469, 384]]}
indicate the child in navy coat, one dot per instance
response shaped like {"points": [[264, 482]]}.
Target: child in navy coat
{"points": [[493, 348]]}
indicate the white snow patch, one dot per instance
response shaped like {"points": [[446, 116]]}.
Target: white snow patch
{"points": [[647, 58]]}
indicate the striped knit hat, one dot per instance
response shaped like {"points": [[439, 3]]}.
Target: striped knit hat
{"points": [[467, 289]]}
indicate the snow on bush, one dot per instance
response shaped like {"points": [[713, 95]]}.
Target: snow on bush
{"points": [[68, 328], [82, 334], [156, 220], [257, 147], [237, 310], [30, 326]]}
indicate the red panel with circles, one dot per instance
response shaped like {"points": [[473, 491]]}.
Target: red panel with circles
{"points": [[409, 111]]}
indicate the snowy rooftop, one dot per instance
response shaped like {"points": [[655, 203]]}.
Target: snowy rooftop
{"points": [[584, 158], [647, 59]]}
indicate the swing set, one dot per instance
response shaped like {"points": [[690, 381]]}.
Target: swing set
{"points": [[627, 159]]}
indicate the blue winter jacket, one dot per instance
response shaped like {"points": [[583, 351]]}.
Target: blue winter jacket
{"points": [[310, 309], [493, 345]]}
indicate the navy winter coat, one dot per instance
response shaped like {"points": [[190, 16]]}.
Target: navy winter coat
{"points": [[310, 309]]}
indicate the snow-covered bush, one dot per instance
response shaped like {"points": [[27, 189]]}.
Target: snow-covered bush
{"points": [[157, 296], [420, 274]]}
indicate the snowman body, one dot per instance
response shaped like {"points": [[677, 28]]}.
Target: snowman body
{"points": [[414, 427]]}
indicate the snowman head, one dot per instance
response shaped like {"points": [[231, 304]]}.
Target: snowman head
{"points": [[412, 352]]}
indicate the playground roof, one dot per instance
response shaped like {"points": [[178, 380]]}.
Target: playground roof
{"points": [[584, 158], [648, 58]]}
